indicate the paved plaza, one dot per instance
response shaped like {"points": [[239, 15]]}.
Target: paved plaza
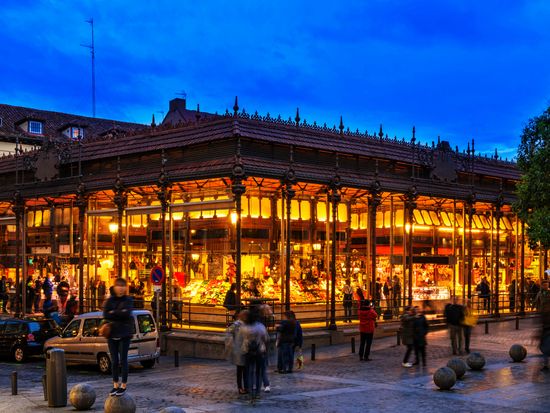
{"points": [[335, 382]]}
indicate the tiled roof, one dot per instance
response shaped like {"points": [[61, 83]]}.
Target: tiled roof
{"points": [[53, 124]]}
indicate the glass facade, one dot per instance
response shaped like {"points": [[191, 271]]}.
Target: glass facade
{"points": [[200, 239]]}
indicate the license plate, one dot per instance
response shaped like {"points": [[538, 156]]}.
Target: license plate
{"points": [[133, 352]]}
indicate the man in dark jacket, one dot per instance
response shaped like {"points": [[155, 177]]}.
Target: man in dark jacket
{"points": [[454, 314], [230, 301], [118, 312], [286, 336], [484, 293]]}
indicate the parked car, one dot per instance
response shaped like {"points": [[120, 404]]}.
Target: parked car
{"points": [[23, 337], [83, 344]]}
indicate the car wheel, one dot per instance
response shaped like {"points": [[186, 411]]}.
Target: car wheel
{"points": [[148, 364], [19, 354], [104, 363]]}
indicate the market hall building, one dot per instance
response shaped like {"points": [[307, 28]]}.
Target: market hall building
{"points": [[288, 210]]}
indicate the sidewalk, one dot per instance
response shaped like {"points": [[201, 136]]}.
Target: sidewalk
{"points": [[335, 382]]}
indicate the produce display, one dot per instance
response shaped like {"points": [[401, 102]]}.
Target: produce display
{"points": [[213, 291]]}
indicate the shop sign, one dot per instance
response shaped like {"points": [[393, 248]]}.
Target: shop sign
{"points": [[157, 275], [41, 250]]}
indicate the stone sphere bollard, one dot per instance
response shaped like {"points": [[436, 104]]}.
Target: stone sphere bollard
{"points": [[476, 361], [82, 396], [172, 409], [459, 367], [517, 352], [120, 404], [444, 378]]}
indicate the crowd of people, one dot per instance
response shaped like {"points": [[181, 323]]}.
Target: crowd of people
{"points": [[247, 346]]}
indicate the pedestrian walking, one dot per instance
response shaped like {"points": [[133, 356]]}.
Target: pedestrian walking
{"points": [[234, 350], [118, 313], [420, 333], [348, 301], [407, 334], [454, 315], [286, 335], [468, 323], [255, 342], [367, 324]]}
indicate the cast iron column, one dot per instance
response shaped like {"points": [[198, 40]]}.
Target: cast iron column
{"points": [[81, 201], [19, 209], [238, 189], [470, 202], [410, 205], [374, 202], [522, 270], [120, 200], [289, 192], [498, 216], [163, 197], [335, 198]]}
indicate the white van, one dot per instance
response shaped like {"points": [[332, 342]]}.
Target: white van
{"points": [[82, 342]]}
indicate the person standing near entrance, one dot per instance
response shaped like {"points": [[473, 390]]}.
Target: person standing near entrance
{"points": [[484, 293], [286, 337], [543, 296], [367, 324], [348, 301], [37, 293], [118, 313], [454, 314], [63, 289], [396, 294]]}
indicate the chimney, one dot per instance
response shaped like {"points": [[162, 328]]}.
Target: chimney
{"points": [[177, 104]]}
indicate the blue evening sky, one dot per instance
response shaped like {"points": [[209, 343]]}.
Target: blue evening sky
{"points": [[460, 69]]}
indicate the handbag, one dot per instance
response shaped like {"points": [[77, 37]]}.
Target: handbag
{"points": [[105, 330]]}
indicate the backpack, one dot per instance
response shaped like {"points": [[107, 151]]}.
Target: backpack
{"points": [[253, 348]]}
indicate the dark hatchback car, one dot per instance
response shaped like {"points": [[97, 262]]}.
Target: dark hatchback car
{"points": [[20, 338]]}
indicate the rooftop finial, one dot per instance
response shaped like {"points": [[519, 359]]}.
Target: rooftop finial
{"points": [[153, 123], [198, 113], [297, 118], [438, 140], [414, 134], [381, 133], [236, 106], [341, 126], [496, 154]]}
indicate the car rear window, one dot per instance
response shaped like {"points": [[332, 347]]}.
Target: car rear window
{"points": [[146, 323], [12, 327]]}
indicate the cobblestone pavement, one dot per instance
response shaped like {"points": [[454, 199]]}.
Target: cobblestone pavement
{"points": [[335, 382]]}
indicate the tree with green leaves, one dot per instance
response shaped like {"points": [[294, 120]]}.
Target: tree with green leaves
{"points": [[533, 190]]}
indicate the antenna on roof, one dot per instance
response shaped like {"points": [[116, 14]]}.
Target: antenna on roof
{"points": [[92, 51]]}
